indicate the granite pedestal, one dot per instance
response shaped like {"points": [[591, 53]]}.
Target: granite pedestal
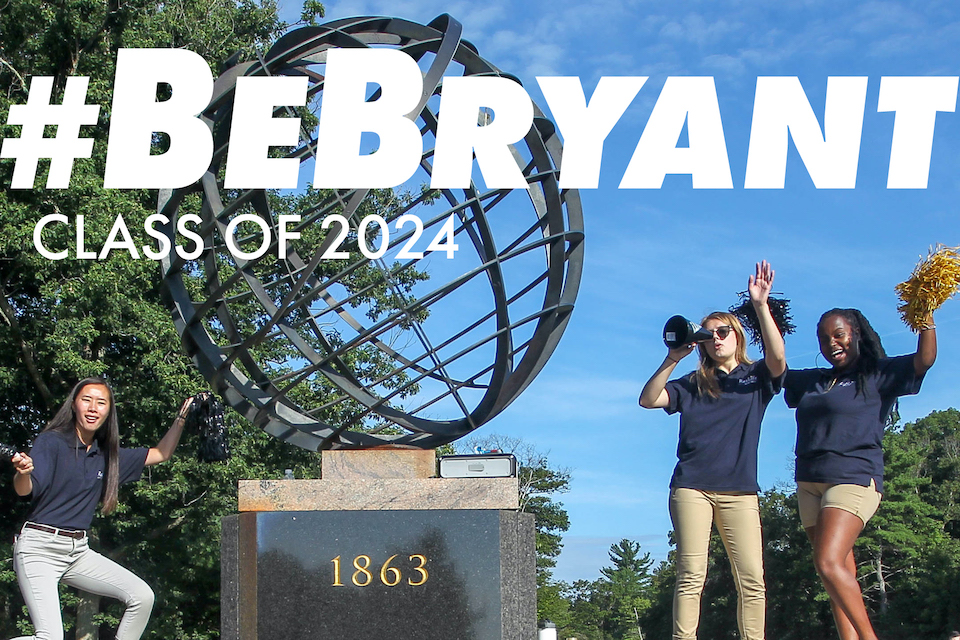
{"points": [[382, 567]]}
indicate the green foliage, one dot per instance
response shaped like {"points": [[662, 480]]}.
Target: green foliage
{"points": [[64, 320], [311, 11], [908, 557], [658, 622], [587, 611], [628, 583], [615, 606], [798, 607], [539, 483]]}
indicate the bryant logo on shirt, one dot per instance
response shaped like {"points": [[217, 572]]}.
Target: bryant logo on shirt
{"points": [[747, 380]]}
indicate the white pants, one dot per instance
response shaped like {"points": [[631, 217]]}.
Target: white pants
{"points": [[43, 559]]}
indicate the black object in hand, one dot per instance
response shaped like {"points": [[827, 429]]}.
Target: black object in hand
{"points": [[206, 413], [747, 315], [678, 331]]}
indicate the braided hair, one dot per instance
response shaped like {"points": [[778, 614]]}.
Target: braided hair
{"points": [[870, 347]]}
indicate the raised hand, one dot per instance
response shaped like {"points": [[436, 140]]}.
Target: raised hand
{"points": [[761, 284], [185, 408]]}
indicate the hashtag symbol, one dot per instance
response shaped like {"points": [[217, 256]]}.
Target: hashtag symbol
{"points": [[63, 149]]}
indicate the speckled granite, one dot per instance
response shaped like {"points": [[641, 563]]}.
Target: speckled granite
{"points": [[230, 577], [378, 549], [356, 575], [238, 571], [518, 575], [344, 464], [367, 494]]}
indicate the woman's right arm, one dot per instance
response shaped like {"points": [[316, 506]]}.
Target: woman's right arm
{"points": [[926, 346], [23, 481], [654, 394], [759, 287]]}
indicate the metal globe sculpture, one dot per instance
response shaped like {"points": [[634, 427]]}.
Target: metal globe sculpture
{"points": [[397, 348]]}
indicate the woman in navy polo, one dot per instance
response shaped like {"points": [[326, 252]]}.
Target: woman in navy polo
{"points": [[75, 463], [721, 405], [841, 413]]}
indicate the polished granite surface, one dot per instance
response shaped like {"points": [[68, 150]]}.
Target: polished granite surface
{"points": [[347, 575]]}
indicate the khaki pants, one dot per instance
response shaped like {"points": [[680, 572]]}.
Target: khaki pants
{"points": [[814, 496], [737, 516]]}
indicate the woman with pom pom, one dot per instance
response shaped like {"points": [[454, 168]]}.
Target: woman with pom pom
{"points": [[841, 414], [721, 405]]}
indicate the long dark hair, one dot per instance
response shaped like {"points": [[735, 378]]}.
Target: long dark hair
{"points": [[107, 437], [871, 349]]}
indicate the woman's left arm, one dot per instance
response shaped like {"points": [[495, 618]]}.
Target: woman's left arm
{"points": [[164, 449], [926, 353], [774, 352]]}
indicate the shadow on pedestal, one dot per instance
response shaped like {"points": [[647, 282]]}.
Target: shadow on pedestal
{"points": [[352, 575]]}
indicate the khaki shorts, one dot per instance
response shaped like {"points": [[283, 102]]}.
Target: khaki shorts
{"points": [[814, 496]]}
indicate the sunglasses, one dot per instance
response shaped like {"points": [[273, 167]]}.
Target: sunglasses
{"points": [[722, 331]]}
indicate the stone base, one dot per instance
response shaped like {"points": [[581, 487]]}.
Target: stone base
{"points": [[382, 462], [355, 575], [362, 494]]}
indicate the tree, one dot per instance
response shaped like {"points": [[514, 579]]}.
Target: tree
{"points": [[658, 621], [908, 556], [911, 559], [615, 606], [798, 607], [67, 319], [587, 611], [539, 483], [628, 582]]}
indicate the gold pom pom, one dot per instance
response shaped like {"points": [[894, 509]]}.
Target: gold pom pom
{"points": [[933, 281]]}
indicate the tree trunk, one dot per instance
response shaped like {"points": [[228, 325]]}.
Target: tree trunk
{"points": [[26, 350], [881, 582], [87, 628]]}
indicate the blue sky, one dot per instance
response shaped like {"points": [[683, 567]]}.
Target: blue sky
{"points": [[651, 254]]}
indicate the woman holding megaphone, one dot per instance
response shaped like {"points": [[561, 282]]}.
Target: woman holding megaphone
{"points": [[721, 405]]}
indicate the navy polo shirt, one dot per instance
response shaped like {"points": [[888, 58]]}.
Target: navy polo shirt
{"points": [[840, 430], [68, 480], [719, 436]]}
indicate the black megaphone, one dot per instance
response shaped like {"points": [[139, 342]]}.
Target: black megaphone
{"points": [[679, 331]]}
